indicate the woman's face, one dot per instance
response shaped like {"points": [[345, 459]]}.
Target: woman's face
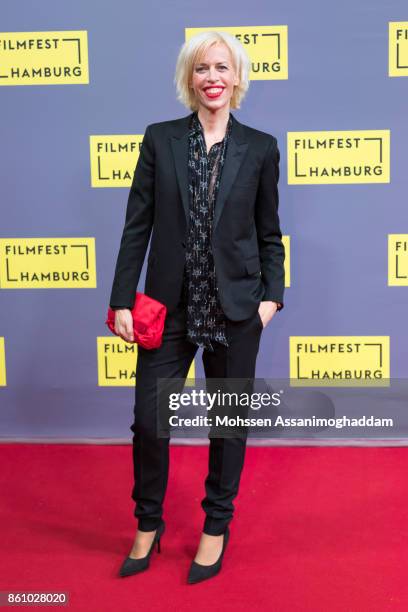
{"points": [[214, 77]]}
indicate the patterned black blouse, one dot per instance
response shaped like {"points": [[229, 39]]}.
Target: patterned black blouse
{"points": [[205, 317]]}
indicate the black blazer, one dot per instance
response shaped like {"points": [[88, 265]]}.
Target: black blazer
{"points": [[246, 240]]}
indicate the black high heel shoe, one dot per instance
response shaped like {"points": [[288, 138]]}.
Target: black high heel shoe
{"points": [[199, 572], [134, 566]]}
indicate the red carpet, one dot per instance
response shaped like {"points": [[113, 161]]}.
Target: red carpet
{"points": [[315, 529]]}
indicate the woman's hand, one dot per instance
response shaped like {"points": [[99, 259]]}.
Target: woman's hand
{"points": [[124, 324], [266, 311]]}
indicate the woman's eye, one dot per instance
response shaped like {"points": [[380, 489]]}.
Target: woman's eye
{"points": [[201, 68]]}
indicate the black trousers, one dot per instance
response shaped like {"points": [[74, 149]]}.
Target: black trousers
{"points": [[151, 453]]}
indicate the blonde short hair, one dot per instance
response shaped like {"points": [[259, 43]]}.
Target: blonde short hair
{"points": [[193, 48]]}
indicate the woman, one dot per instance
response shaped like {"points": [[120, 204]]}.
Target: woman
{"points": [[205, 185]]}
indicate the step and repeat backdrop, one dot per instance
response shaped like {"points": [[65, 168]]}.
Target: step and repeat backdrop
{"points": [[79, 83]]}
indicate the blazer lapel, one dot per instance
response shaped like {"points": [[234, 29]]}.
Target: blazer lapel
{"points": [[179, 144], [236, 150]]}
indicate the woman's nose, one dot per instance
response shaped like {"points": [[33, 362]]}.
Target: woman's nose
{"points": [[212, 74]]}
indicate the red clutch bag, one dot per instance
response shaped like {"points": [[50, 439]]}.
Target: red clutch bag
{"points": [[148, 321]]}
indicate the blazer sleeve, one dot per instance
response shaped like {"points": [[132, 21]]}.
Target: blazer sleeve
{"points": [[137, 228], [271, 248]]}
